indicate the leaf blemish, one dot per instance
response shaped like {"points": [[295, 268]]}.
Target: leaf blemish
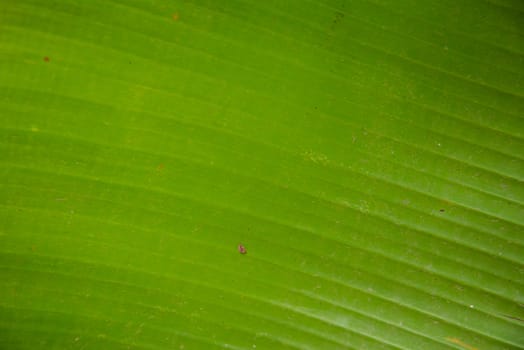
{"points": [[461, 343], [242, 249]]}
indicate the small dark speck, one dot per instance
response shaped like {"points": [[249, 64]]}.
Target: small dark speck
{"points": [[242, 249], [338, 17], [442, 210], [46, 59]]}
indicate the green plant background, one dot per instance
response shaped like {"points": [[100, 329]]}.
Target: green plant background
{"points": [[367, 153]]}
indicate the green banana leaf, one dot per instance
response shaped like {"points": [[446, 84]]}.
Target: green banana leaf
{"points": [[277, 174]]}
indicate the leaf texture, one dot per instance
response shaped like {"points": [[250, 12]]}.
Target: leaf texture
{"points": [[365, 157]]}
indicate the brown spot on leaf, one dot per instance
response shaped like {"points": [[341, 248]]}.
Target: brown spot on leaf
{"points": [[175, 16], [242, 249], [46, 59]]}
